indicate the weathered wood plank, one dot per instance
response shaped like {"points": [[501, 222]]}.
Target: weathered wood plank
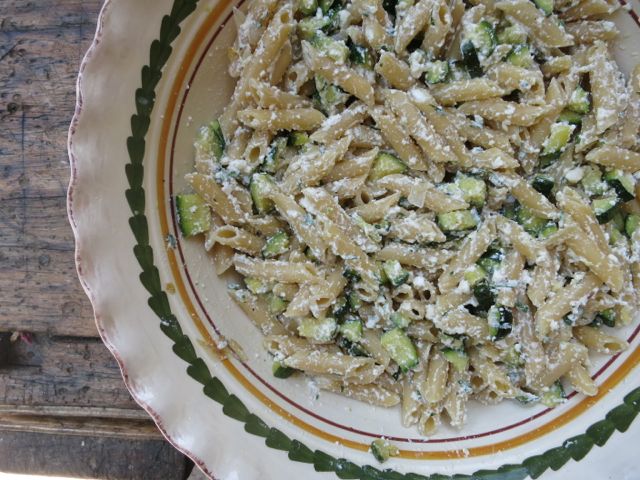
{"points": [[63, 371], [41, 46], [91, 457]]}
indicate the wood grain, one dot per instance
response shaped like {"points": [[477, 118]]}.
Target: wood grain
{"points": [[64, 409]]}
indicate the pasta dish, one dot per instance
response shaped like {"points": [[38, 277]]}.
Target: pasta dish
{"points": [[426, 201]]}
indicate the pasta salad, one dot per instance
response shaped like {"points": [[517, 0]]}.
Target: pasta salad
{"points": [[428, 201]]}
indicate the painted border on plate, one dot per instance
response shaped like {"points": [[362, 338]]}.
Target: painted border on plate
{"points": [[576, 447]]}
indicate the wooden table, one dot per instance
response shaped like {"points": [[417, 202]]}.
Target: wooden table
{"points": [[63, 406]]}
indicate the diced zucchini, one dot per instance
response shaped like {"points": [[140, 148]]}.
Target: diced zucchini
{"points": [[580, 101], [351, 330], [491, 260], [592, 181], [512, 34], [340, 308], [615, 236], [281, 371], [325, 5], [210, 141], [631, 224], [474, 275], [483, 37], [549, 229], [554, 395], [307, 7], [273, 158], [257, 286], [527, 397], [568, 116], [382, 450], [436, 71], [400, 320], [329, 95], [458, 70], [298, 139], [400, 348], [558, 139], [520, 56], [605, 207], [484, 294], [618, 221], [351, 275], [458, 358], [309, 27], [607, 317], [474, 190], [337, 50], [360, 55], [543, 183], [500, 321], [277, 244], [386, 164], [545, 5], [276, 304], [623, 183], [353, 299], [529, 221], [321, 330], [260, 185], [194, 215], [470, 59], [394, 272], [458, 220], [511, 356], [455, 342]]}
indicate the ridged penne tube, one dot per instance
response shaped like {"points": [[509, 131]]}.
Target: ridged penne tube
{"points": [[480, 135], [496, 380], [213, 194], [222, 258], [281, 119], [257, 312], [556, 307], [353, 166], [281, 65], [238, 239], [452, 300], [574, 204], [465, 91], [562, 360], [530, 248], [412, 23], [615, 157], [460, 321], [592, 31], [543, 29], [337, 125], [376, 34], [347, 187], [414, 256], [433, 389], [296, 216], [595, 339], [598, 261], [431, 197], [376, 209], [394, 70], [528, 196], [503, 111], [417, 228], [372, 394], [311, 167], [494, 159], [440, 26], [429, 421], [276, 270], [472, 248], [432, 144], [607, 88], [411, 406], [556, 65], [398, 138], [348, 79], [266, 96], [544, 280], [319, 202], [371, 343], [509, 278], [581, 381], [588, 9], [425, 331], [455, 402], [365, 137], [270, 44], [358, 370], [532, 348]]}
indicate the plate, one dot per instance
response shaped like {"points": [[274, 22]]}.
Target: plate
{"points": [[155, 73]]}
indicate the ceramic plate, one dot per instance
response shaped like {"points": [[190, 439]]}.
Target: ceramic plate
{"points": [[155, 73]]}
